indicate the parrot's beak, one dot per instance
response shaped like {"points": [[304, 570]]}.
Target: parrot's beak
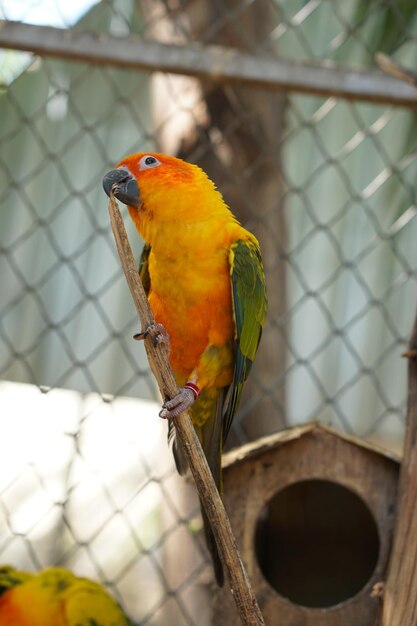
{"points": [[124, 186]]}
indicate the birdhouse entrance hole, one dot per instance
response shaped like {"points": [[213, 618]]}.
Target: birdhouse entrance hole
{"points": [[317, 543]]}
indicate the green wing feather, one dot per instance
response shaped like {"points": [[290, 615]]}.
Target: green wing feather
{"points": [[249, 313], [144, 268]]}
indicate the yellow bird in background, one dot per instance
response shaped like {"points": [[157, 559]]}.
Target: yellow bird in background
{"points": [[55, 597]]}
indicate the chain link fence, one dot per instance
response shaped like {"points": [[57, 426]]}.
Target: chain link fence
{"points": [[323, 174]]}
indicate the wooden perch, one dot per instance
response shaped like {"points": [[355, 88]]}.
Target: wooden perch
{"points": [[221, 64], [400, 594], [241, 590]]}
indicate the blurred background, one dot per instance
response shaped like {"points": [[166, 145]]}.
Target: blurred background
{"points": [[327, 183]]}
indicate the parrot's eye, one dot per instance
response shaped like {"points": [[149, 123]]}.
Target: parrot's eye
{"points": [[147, 162]]}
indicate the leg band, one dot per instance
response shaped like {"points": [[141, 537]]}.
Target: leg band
{"points": [[193, 387]]}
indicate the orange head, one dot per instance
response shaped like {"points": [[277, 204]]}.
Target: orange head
{"points": [[163, 188]]}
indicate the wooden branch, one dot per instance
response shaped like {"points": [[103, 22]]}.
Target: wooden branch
{"points": [[220, 64], [400, 596], [395, 69], [158, 359]]}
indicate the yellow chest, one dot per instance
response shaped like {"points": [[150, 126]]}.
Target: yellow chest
{"points": [[191, 296], [189, 270]]}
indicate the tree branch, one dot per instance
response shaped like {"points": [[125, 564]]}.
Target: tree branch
{"points": [[395, 69], [158, 359]]}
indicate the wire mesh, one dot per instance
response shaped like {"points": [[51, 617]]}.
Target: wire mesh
{"points": [[326, 184]]}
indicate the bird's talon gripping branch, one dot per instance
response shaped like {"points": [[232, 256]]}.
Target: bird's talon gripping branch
{"points": [[158, 334], [181, 402]]}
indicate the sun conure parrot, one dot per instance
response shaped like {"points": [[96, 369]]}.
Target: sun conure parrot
{"points": [[204, 278], [55, 597]]}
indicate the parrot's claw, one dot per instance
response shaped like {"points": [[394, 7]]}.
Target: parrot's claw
{"points": [[180, 403], [157, 332]]}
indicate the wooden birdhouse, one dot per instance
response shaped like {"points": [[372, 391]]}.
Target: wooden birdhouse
{"points": [[312, 511]]}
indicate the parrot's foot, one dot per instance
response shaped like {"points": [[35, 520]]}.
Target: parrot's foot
{"points": [[181, 402], [158, 334]]}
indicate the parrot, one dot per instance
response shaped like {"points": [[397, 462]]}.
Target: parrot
{"points": [[204, 278], [55, 597]]}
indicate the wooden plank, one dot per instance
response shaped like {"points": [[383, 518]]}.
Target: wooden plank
{"points": [[400, 597], [215, 63], [269, 442]]}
